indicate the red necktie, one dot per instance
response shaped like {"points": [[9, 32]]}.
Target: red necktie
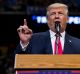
{"points": [[59, 47]]}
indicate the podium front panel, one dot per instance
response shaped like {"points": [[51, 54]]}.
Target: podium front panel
{"points": [[47, 64]]}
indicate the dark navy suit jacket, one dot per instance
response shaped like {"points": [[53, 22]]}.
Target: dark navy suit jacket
{"points": [[40, 43]]}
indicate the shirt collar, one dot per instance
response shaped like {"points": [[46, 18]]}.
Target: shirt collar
{"points": [[52, 34]]}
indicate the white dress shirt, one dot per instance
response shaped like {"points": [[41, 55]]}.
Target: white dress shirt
{"points": [[53, 38]]}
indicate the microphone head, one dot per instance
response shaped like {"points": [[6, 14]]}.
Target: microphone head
{"points": [[57, 26]]}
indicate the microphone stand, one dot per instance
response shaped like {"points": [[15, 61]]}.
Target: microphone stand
{"points": [[57, 40], [57, 28]]}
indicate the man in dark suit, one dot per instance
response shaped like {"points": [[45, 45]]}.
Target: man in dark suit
{"points": [[43, 43]]}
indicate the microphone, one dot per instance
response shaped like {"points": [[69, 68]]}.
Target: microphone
{"points": [[57, 27]]}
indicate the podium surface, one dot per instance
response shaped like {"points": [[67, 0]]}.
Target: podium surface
{"points": [[46, 61]]}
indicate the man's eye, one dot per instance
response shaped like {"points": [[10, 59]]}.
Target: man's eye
{"points": [[61, 13], [52, 14]]}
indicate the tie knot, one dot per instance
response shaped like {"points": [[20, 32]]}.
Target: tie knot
{"points": [[58, 35]]}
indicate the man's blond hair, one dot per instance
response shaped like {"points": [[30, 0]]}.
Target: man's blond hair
{"points": [[56, 5]]}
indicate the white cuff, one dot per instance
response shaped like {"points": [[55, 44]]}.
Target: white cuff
{"points": [[23, 46]]}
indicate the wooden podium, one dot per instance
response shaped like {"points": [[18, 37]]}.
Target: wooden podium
{"points": [[34, 62]]}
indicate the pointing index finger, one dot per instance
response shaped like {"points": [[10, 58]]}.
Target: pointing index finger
{"points": [[25, 22]]}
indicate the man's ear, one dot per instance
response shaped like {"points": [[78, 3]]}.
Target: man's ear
{"points": [[67, 19], [46, 17]]}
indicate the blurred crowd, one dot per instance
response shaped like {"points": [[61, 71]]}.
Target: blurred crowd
{"points": [[22, 5]]}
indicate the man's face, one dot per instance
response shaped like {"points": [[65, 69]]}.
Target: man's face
{"points": [[57, 14]]}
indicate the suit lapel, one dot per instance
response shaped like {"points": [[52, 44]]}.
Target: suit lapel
{"points": [[67, 44], [48, 43]]}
